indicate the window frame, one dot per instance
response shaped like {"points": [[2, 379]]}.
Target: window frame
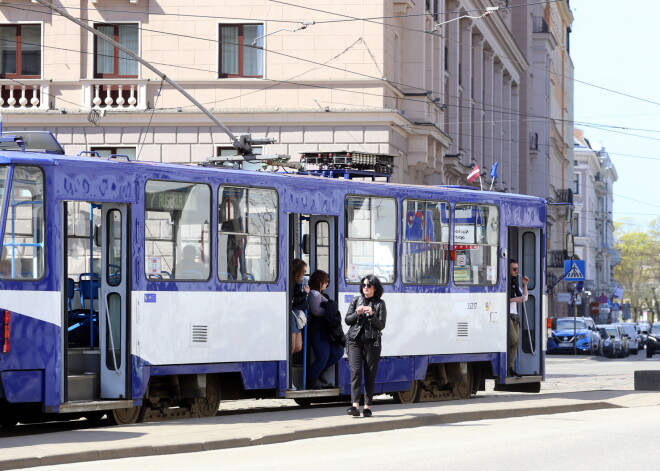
{"points": [[394, 241], [210, 254], [447, 244], [496, 244], [276, 236], [241, 44], [19, 50], [115, 49], [44, 223]]}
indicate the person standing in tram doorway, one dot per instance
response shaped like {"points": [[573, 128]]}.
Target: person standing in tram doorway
{"points": [[366, 317], [515, 297]]}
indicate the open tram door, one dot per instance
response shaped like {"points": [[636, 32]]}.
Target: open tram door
{"points": [[95, 294], [525, 247], [313, 238], [113, 301]]}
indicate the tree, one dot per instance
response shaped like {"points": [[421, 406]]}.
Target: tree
{"points": [[639, 270]]}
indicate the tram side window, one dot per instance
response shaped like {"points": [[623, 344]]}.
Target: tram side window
{"points": [[23, 242], [177, 224], [247, 234], [370, 238], [476, 234], [425, 242]]}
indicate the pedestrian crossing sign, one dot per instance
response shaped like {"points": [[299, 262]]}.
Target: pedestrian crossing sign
{"points": [[575, 270]]}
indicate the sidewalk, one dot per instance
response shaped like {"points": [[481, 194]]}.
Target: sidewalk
{"points": [[230, 431]]}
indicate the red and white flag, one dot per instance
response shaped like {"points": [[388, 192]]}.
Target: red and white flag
{"points": [[476, 172]]}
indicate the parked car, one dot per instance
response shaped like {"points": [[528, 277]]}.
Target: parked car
{"points": [[643, 328], [630, 331], [612, 341], [583, 329], [653, 340]]}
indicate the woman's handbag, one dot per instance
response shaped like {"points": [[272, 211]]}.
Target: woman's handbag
{"points": [[301, 319]]}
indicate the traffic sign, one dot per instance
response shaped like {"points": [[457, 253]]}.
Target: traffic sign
{"points": [[575, 270], [602, 299]]}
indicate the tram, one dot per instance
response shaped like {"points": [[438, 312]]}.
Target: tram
{"points": [[143, 290]]}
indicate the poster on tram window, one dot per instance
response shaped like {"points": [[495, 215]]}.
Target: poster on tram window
{"points": [[153, 265]]}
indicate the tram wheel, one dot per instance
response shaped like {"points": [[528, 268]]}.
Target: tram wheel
{"points": [[463, 390], [208, 406], [408, 397], [130, 415]]}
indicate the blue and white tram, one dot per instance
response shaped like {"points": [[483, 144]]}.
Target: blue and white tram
{"points": [[146, 290]]}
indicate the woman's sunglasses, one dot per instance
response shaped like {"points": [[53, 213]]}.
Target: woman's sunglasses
{"points": [[367, 285]]}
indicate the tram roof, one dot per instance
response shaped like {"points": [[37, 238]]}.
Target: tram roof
{"points": [[47, 159]]}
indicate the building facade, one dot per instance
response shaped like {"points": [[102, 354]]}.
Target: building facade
{"points": [[441, 85], [593, 225]]}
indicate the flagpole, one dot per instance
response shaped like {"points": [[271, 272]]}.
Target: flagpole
{"points": [[480, 183]]}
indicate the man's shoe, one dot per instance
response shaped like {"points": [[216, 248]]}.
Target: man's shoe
{"points": [[354, 411], [367, 412]]}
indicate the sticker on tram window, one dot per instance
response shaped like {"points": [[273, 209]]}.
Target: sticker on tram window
{"points": [[149, 297], [153, 265], [348, 298]]}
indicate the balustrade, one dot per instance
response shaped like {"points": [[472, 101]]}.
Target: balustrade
{"points": [[23, 96]]}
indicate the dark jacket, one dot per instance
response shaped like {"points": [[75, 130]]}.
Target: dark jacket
{"points": [[372, 325], [298, 297]]}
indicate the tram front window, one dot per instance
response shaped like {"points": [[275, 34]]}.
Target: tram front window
{"points": [[23, 242]]}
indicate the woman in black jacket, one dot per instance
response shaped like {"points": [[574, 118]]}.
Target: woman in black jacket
{"points": [[366, 317]]}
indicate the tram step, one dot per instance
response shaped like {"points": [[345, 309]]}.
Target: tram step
{"points": [[82, 360], [83, 387], [311, 393]]}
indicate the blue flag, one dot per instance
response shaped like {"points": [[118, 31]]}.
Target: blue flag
{"points": [[493, 170]]}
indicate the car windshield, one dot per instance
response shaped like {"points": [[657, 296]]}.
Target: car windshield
{"points": [[612, 331], [655, 329], [570, 324]]}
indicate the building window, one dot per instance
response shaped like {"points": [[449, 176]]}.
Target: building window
{"points": [[576, 184], [108, 151], [20, 46], [109, 61], [238, 57]]}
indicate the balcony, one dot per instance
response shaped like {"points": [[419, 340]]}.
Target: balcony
{"points": [[555, 258], [28, 94], [564, 196], [115, 94], [540, 25]]}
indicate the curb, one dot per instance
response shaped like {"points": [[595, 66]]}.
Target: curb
{"points": [[354, 427]]}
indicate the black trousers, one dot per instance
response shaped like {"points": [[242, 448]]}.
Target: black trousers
{"points": [[361, 355]]}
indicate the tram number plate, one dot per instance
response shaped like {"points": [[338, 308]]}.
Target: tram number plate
{"points": [[565, 344]]}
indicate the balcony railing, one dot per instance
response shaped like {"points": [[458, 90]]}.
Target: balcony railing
{"points": [[115, 94], [540, 25], [564, 195], [28, 94], [555, 258]]}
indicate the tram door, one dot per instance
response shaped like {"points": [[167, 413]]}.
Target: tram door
{"points": [[525, 247], [322, 247], [113, 300]]}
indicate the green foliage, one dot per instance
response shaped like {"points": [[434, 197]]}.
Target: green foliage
{"points": [[639, 270]]}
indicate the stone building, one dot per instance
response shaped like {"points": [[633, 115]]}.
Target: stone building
{"points": [[593, 225]]}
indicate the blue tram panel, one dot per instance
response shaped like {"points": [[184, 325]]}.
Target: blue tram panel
{"points": [[222, 322]]}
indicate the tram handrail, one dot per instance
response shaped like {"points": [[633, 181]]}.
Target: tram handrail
{"points": [[112, 339], [529, 333]]}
